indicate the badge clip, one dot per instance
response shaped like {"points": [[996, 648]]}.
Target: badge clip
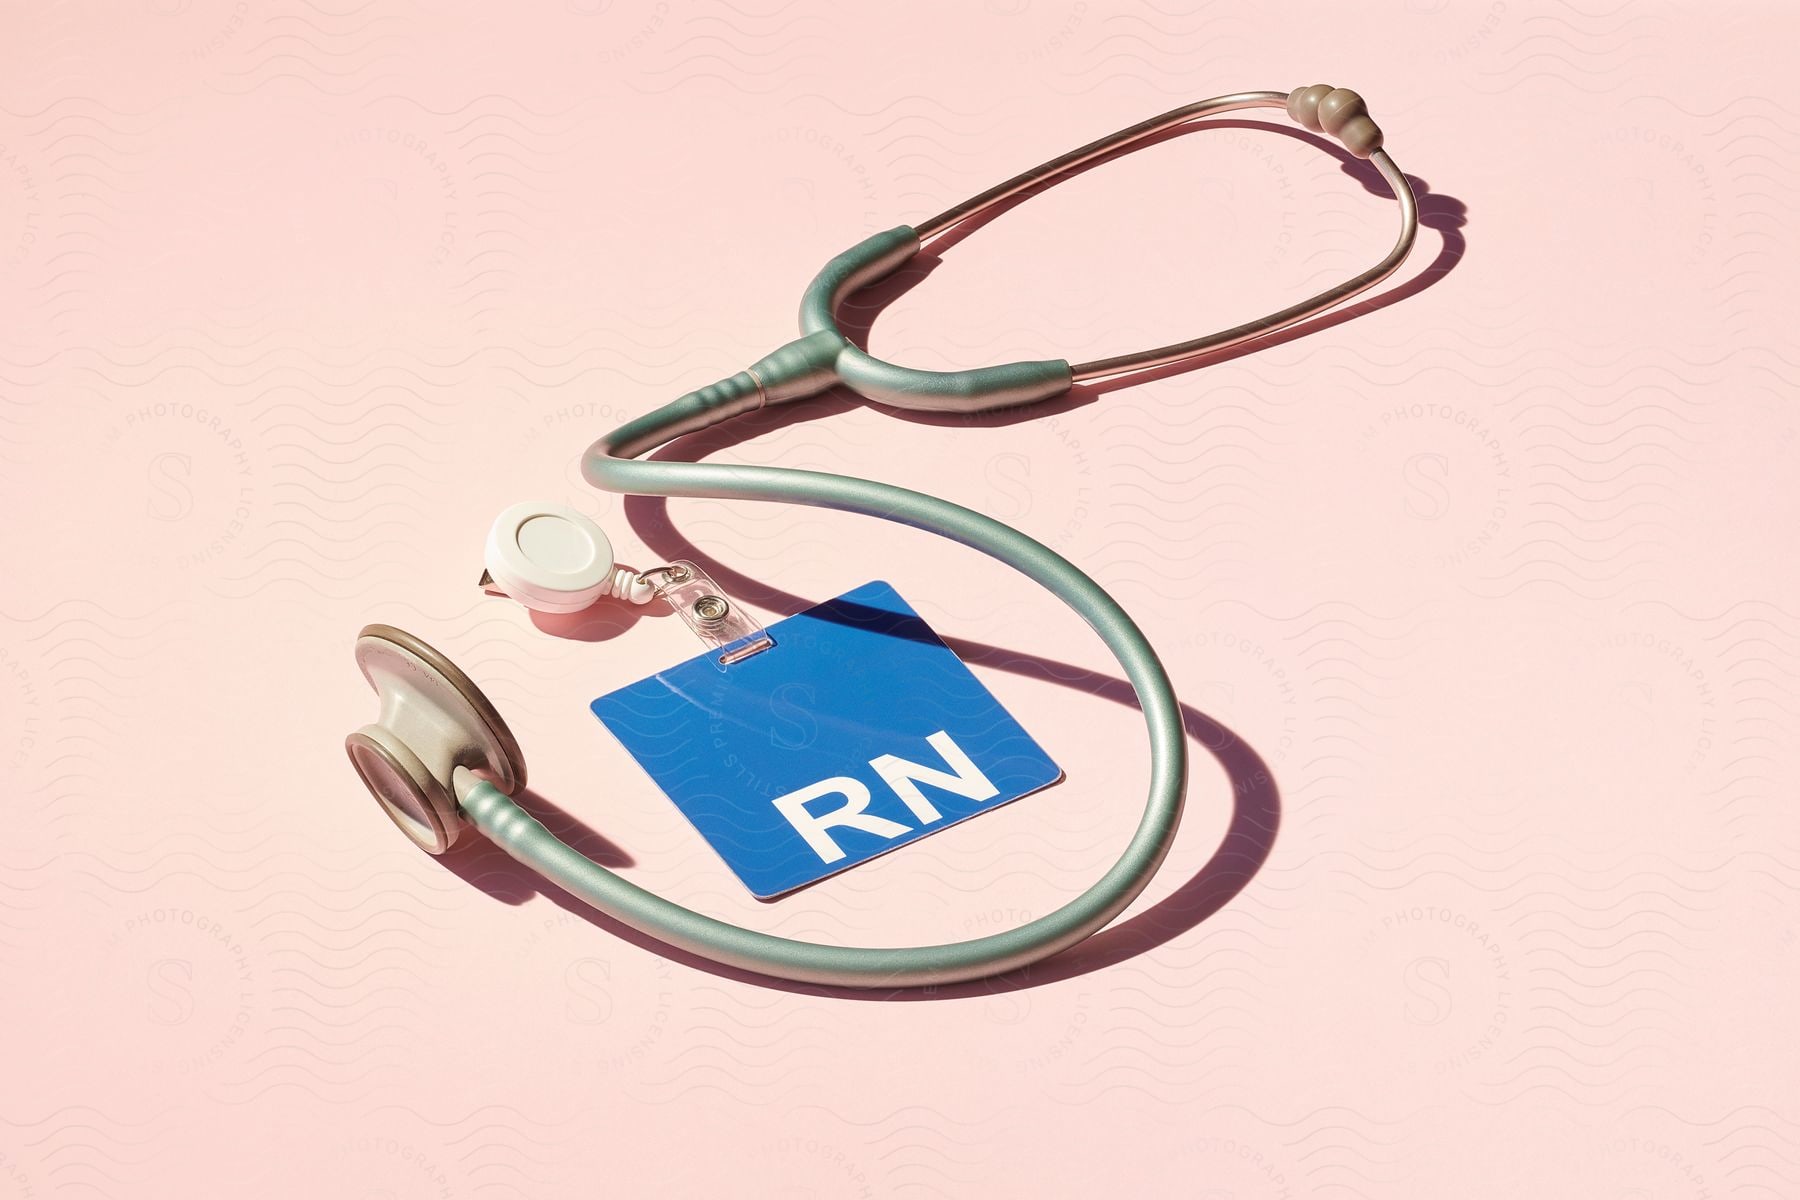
{"points": [[718, 622]]}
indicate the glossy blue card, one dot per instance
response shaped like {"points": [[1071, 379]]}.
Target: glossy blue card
{"points": [[857, 732]]}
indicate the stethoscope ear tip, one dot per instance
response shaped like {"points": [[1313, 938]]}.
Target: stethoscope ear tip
{"points": [[436, 733]]}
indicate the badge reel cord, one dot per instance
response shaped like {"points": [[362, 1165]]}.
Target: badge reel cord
{"points": [[440, 758]]}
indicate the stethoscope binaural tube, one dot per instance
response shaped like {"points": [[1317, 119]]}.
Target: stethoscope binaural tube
{"points": [[823, 358]]}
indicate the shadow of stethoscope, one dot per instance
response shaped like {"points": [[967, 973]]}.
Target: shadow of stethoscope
{"points": [[1255, 796]]}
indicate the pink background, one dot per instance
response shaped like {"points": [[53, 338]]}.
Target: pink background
{"points": [[1486, 598]]}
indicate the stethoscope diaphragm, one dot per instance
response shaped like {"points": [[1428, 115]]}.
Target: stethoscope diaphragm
{"points": [[433, 722]]}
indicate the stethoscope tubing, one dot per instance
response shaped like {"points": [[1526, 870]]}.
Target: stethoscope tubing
{"points": [[527, 840], [824, 357]]}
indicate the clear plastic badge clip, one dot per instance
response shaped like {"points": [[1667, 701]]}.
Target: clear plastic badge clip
{"points": [[724, 626]]}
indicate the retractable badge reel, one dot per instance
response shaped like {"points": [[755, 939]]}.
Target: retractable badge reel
{"points": [[797, 751], [553, 559]]}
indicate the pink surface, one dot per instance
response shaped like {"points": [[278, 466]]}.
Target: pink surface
{"points": [[1486, 598]]}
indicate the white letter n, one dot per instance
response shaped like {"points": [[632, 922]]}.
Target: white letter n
{"points": [[905, 777]]}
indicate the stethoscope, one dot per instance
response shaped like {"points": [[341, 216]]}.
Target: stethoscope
{"points": [[440, 759]]}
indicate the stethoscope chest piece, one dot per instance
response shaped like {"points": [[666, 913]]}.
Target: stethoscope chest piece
{"points": [[434, 726]]}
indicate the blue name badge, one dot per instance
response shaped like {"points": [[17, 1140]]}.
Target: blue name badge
{"points": [[858, 731]]}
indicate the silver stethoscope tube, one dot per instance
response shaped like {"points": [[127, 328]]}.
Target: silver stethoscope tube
{"points": [[1143, 131]]}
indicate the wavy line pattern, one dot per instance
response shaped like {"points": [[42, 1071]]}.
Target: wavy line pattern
{"points": [[1479, 597]]}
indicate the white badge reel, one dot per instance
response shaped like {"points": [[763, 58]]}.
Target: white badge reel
{"points": [[553, 559], [437, 734]]}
